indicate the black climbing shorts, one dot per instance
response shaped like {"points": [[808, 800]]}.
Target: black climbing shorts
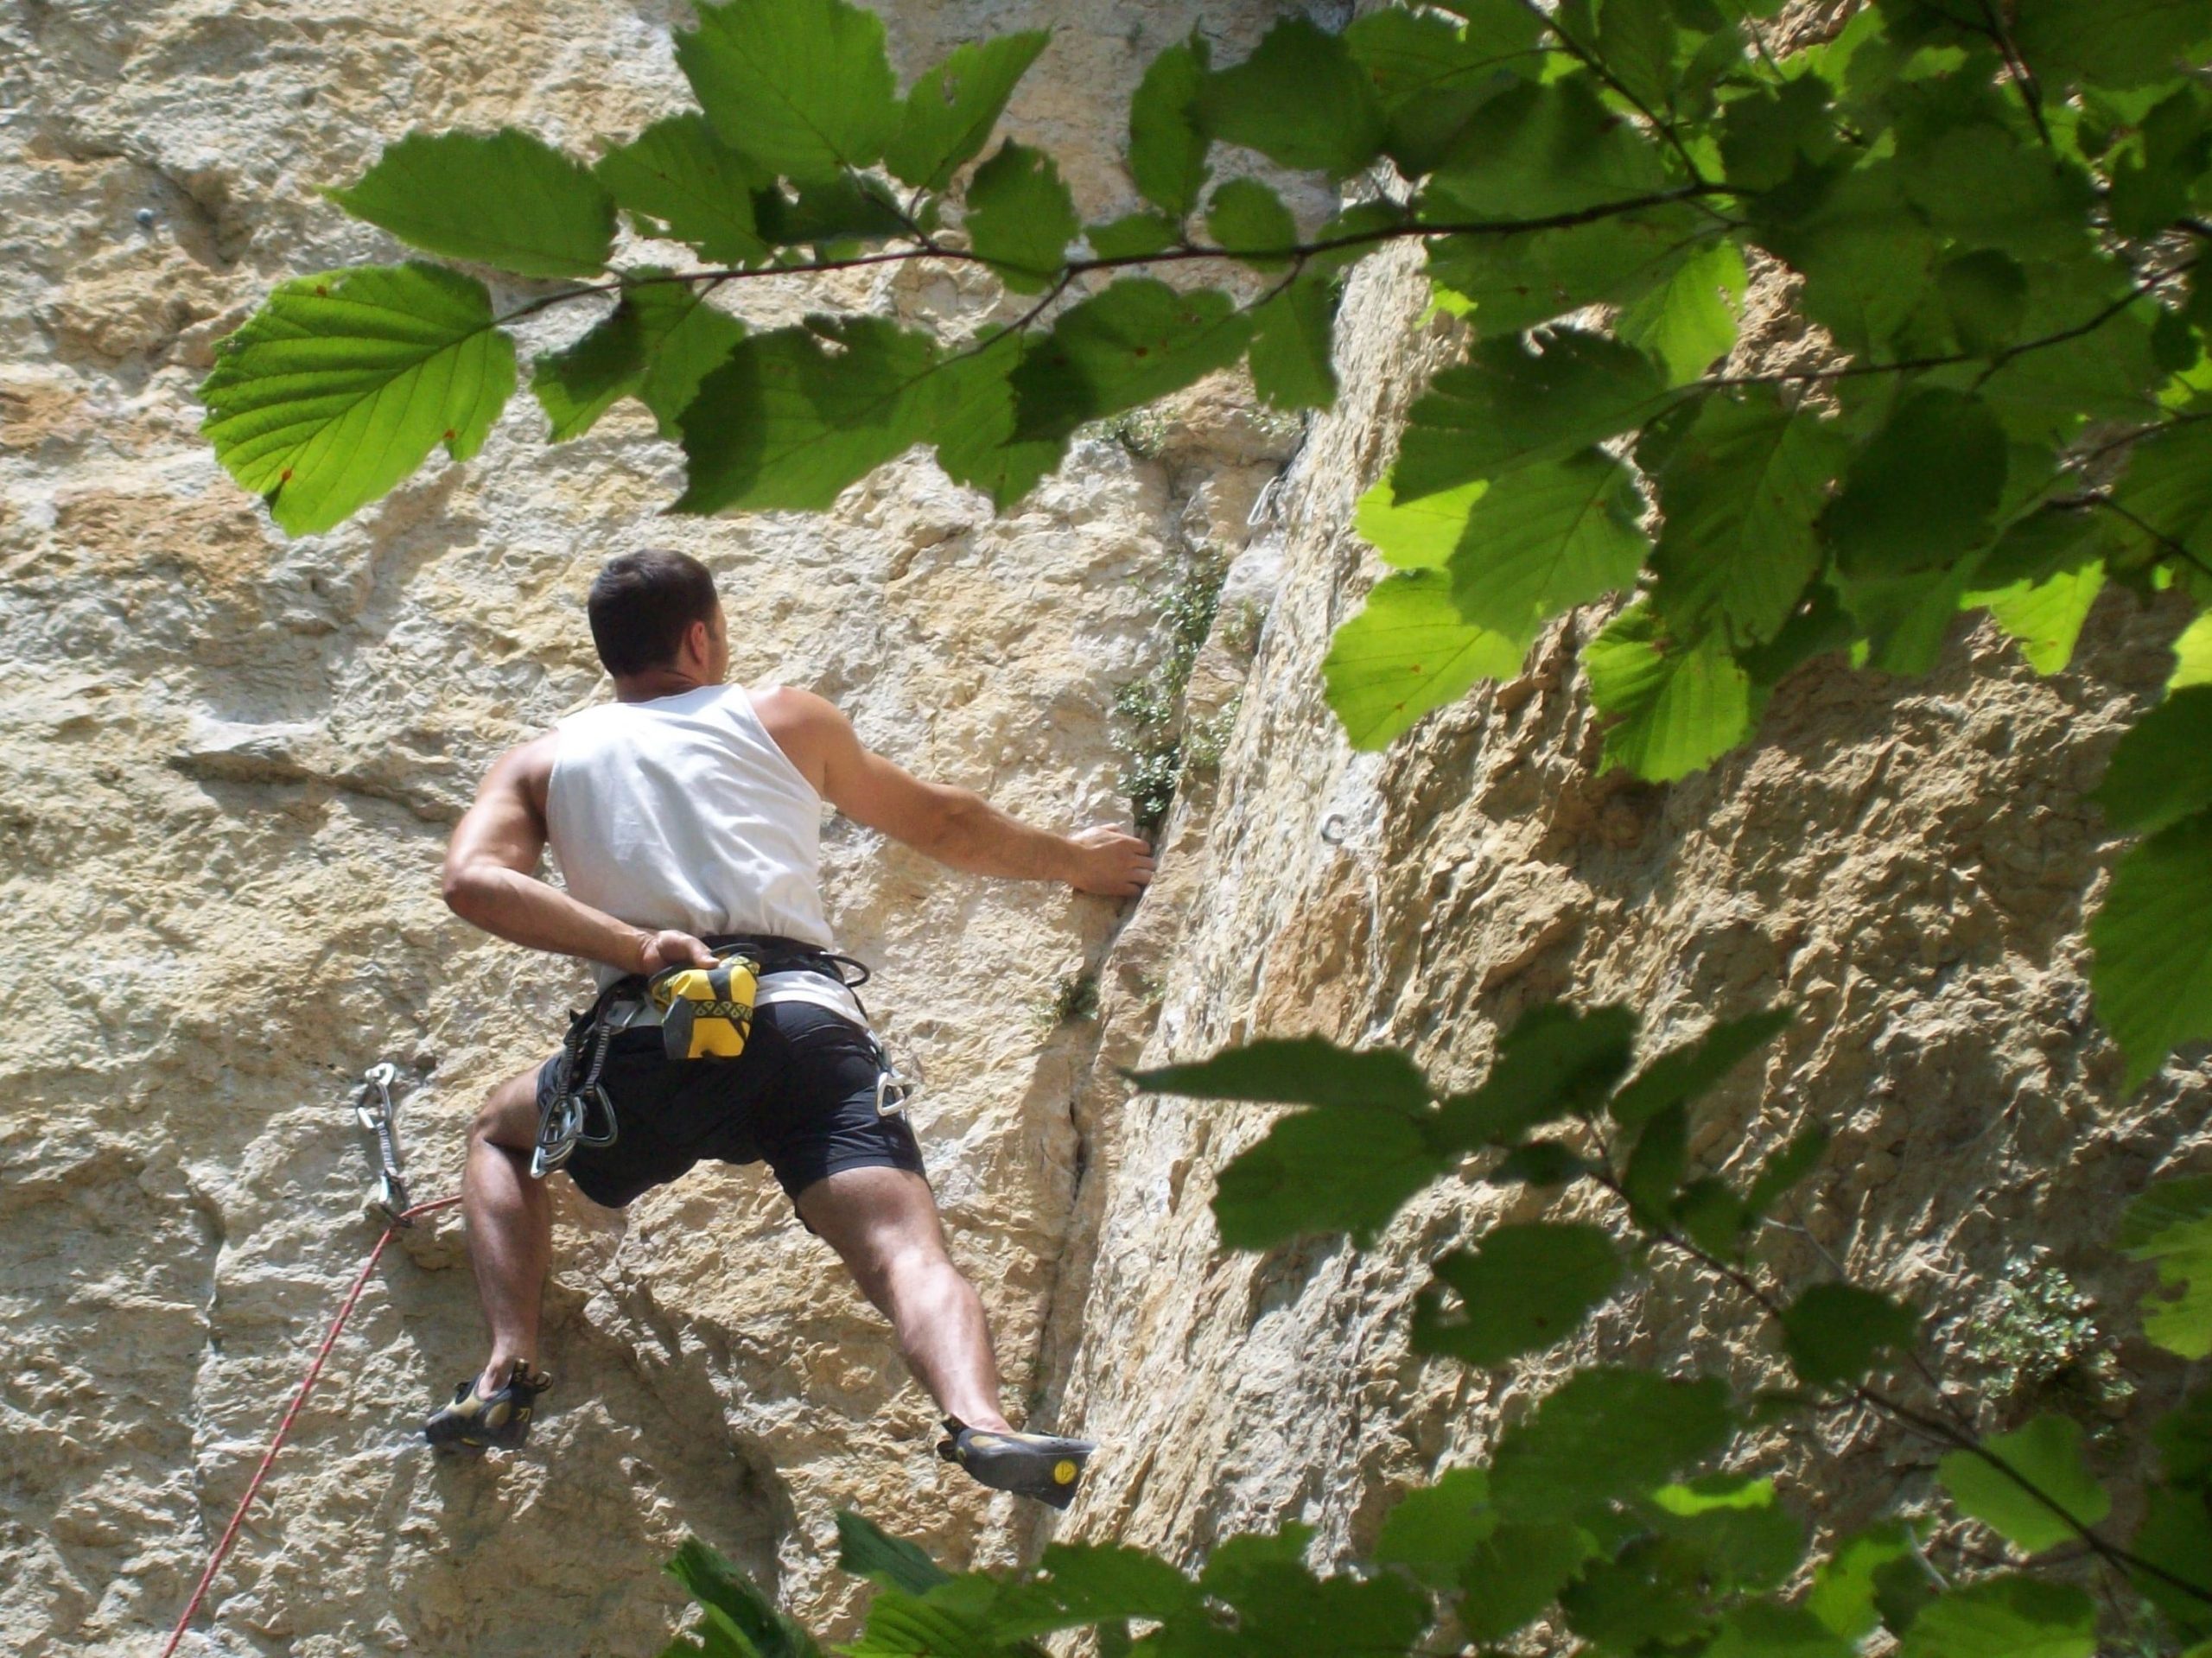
{"points": [[802, 1096]]}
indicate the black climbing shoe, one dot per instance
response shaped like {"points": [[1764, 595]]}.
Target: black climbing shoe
{"points": [[1042, 1466], [475, 1421]]}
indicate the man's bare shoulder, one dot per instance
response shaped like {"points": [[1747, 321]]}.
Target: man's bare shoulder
{"points": [[808, 728], [526, 768]]}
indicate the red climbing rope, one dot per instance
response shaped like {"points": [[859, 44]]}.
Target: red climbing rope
{"points": [[306, 1385]]}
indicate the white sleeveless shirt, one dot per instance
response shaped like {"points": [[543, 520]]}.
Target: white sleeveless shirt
{"points": [[682, 813]]}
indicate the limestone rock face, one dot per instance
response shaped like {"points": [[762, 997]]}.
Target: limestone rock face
{"points": [[232, 761], [230, 764], [1907, 863]]}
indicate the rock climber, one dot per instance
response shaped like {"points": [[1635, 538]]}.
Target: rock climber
{"points": [[684, 818]]}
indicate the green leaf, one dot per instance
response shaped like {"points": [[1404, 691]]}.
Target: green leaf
{"points": [[2183, 1436], [1920, 491], [1406, 652], [1986, 295], [1507, 407], [1747, 1541], [1741, 492], [1655, 1166], [1431, 74], [713, 1581], [948, 117], [2168, 487], [1433, 1530], [1769, 133], [1650, 1596], [1516, 1572], [1843, 1596], [1761, 1630], [661, 339], [2171, 1225], [1299, 100], [1867, 259], [1290, 352], [1543, 539], [1283, 1611], [1555, 1060], [1903, 621], [1783, 1169], [338, 387], [502, 198], [1167, 152], [1249, 219], [2045, 617], [1836, 1333], [1298, 1071], [2175, 1535], [903, 1625], [1676, 709], [1977, 184], [2161, 772], [1516, 280], [1525, 1287], [786, 423], [2112, 43], [851, 208], [867, 1551], [1683, 1073], [1688, 322], [2005, 1617], [2151, 176], [1329, 1170], [1604, 1432], [1020, 218], [1133, 343], [1418, 535], [803, 87], [2103, 369], [1132, 235], [1533, 151], [1081, 1584], [691, 187], [2193, 655], [2152, 945], [2047, 1453]]}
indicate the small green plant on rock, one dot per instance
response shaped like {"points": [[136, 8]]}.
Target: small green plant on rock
{"points": [[2040, 1338], [1150, 709], [1074, 997]]}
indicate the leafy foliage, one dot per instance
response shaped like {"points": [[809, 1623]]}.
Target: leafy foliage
{"points": [[1599, 1507], [1993, 216]]}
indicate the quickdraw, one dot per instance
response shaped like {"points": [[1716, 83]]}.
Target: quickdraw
{"points": [[374, 1111], [565, 1119]]}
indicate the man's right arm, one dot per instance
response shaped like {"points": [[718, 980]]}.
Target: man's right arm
{"points": [[491, 876]]}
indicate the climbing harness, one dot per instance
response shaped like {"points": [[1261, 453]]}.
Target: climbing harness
{"points": [[374, 1111], [391, 1196], [1042, 1466], [703, 1013]]}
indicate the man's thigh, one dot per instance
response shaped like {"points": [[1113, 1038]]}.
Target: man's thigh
{"points": [[873, 1217]]}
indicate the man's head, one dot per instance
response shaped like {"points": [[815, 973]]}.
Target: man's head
{"points": [[655, 614]]}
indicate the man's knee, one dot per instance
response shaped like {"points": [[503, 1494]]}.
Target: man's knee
{"points": [[508, 1117]]}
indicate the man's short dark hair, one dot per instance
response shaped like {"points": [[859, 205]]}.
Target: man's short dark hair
{"points": [[641, 606]]}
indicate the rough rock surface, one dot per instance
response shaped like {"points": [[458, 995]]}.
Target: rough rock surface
{"points": [[1908, 863], [232, 761]]}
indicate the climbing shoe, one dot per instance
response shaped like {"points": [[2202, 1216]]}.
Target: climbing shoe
{"points": [[475, 1421], [1042, 1466]]}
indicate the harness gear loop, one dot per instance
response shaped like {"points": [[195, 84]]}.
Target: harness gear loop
{"points": [[374, 1111], [564, 1121]]}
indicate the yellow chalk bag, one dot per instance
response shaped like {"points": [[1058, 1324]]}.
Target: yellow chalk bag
{"points": [[706, 1013]]}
